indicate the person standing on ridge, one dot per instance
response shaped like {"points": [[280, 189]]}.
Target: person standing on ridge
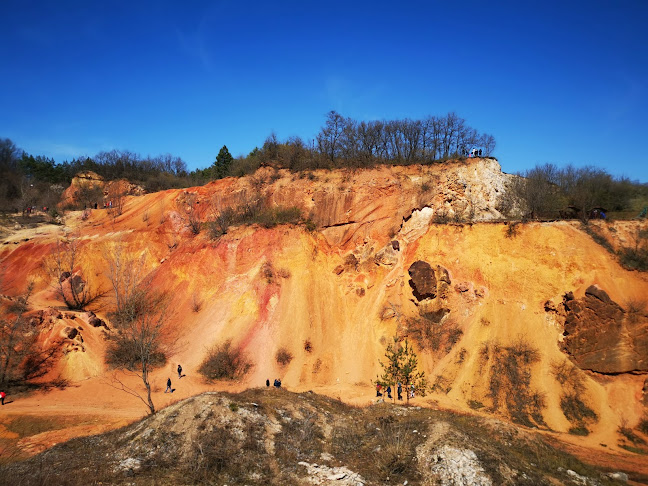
{"points": [[168, 388]]}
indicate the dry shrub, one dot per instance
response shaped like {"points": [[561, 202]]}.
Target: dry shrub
{"points": [[308, 346], [224, 363], [196, 303], [283, 356], [512, 230], [475, 404], [300, 439], [384, 447], [220, 454], [441, 216], [317, 366], [510, 381], [284, 273], [635, 309], [575, 410], [268, 272], [430, 332], [573, 387], [123, 352], [568, 375], [442, 385], [629, 434]]}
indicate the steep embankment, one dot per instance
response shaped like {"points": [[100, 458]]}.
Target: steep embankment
{"points": [[486, 307]]}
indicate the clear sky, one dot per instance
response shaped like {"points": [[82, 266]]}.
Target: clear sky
{"points": [[553, 81]]}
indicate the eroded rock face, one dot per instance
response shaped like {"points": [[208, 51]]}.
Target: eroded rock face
{"points": [[70, 332], [599, 335], [423, 281], [94, 321]]}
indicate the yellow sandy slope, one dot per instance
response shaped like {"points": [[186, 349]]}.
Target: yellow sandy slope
{"points": [[267, 289]]}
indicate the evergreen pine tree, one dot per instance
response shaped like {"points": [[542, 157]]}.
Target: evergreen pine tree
{"points": [[401, 367], [222, 164]]}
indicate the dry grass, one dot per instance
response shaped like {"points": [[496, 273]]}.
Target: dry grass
{"points": [[259, 436]]}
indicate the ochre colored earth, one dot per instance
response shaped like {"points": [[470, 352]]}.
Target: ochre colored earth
{"points": [[335, 297]]}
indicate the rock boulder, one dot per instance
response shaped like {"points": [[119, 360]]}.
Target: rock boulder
{"points": [[423, 281]]}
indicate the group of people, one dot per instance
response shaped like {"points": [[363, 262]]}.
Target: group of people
{"points": [[399, 391], [180, 375], [277, 383]]}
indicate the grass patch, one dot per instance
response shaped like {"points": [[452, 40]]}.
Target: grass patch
{"points": [[597, 237], [633, 449], [643, 426], [629, 434], [475, 404], [634, 258], [580, 430], [28, 425]]}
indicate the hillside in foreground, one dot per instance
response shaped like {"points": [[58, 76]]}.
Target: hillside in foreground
{"points": [[269, 436], [534, 324]]}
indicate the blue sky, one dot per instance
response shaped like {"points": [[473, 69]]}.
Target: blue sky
{"points": [[560, 82]]}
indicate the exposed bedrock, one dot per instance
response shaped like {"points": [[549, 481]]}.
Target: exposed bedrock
{"points": [[602, 336], [423, 281]]}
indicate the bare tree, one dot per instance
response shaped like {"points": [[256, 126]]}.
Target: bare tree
{"points": [[188, 209], [538, 192], [21, 358], [144, 342], [89, 194], [13, 335], [126, 272], [116, 198], [329, 138], [488, 142], [70, 275]]}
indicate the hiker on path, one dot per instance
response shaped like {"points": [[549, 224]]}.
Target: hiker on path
{"points": [[2, 397], [179, 371], [378, 387], [412, 391], [268, 382], [389, 391], [168, 388], [400, 391]]}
